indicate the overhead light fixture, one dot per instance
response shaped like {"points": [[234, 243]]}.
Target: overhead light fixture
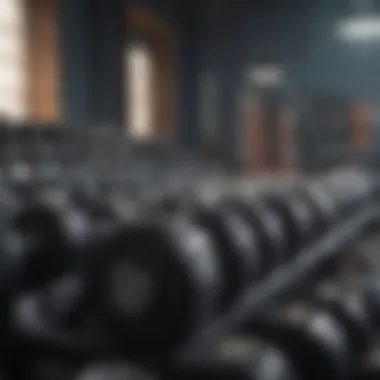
{"points": [[360, 28], [362, 25]]}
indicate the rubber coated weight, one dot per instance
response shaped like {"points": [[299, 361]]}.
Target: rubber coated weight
{"points": [[22, 256], [153, 284], [54, 227], [238, 358], [238, 251], [266, 226], [46, 255], [312, 339], [349, 308], [63, 233], [297, 216], [321, 204]]}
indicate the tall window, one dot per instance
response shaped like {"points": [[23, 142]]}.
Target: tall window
{"points": [[139, 91], [12, 59]]}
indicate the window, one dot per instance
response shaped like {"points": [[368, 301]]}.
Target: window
{"points": [[12, 56], [140, 91]]}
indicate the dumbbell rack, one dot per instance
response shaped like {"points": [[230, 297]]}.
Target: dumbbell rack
{"points": [[35, 334], [282, 283]]}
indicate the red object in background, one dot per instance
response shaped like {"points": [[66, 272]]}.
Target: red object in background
{"points": [[258, 144], [359, 119], [287, 139]]}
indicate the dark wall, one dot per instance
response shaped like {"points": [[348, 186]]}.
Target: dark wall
{"points": [[299, 34], [75, 60], [93, 34], [91, 40], [223, 41]]}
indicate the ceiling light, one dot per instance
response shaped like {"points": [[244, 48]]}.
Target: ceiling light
{"points": [[361, 28]]}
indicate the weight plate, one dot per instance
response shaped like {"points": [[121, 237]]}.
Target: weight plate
{"points": [[266, 227], [297, 216], [153, 284], [237, 248], [322, 206], [314, 341], [350, 310]]}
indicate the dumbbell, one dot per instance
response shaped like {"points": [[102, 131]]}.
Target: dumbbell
{"points": [[39, 223], [279, 224], [291, 211], [312, 338], [236, 356], [140, 243], [236, 258], [267, 227], [57, 232], [297, 216], [359, 268], [306, 207], [320, 202], [155, 259], [349, 306], [239, 256], [334, 321], [153, 284]]}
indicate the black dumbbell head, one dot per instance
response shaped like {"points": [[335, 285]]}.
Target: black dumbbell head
{"points": [[237, 248], [268, 228], [321, 203], [349, 308], [297, 216], [152, 284], [313, 339]]}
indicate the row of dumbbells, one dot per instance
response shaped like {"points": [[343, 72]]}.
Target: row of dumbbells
{"points": [[187, 256], [329, 332], [74, 262]]}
